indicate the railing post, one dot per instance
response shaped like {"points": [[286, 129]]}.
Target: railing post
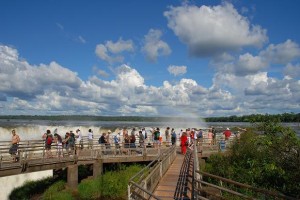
{"points": [[160, 169], [145, 153], [129, 194], [196, 176], [44, 153], [145, 187]]}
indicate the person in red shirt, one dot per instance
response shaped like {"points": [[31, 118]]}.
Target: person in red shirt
{"points": [[227, 133], [183, 142]]}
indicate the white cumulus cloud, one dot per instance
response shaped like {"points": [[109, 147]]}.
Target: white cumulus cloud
{"points": [[282, 53], [54, 89], [110, 51], [249, 64], [154, 46], [177, 70], [292, 71], [208, 31]]}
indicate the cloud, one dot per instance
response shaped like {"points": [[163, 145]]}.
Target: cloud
{"points": [[100, 72], [20, 79], [209, 31], [81, 39], [282, 53], [106, 51], [119, 46], [292, 71], [61, 27], [154, 46], [103, 73], [259, 93], [243, 65], [177, 70], [54, 89], [70, 36], [3, 97], [248, 64]]}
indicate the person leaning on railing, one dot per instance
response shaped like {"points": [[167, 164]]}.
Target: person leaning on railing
{"points": [[14, 145]]}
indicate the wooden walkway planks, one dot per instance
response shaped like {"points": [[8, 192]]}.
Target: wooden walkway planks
{"points": [[167, 185]]}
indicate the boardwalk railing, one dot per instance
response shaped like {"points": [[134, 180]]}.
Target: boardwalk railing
{"points": [[34, 154], [142, 185]]}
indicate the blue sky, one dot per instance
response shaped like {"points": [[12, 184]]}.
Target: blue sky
{"points": [[149, 58]]}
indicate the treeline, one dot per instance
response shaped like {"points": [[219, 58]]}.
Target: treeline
{"points": [[285, 117]]}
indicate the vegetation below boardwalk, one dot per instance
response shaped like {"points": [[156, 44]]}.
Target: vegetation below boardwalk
{"points": [[269, 160], [285, 117], [111, 185]]}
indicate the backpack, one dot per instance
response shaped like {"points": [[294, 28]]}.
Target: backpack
{"points": [[49, 140], [173, 135], [116, 139], [71, 140], [156, 135], [199, 135]]}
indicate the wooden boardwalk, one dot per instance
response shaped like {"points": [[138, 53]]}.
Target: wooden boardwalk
{"points": [[167, 185]]}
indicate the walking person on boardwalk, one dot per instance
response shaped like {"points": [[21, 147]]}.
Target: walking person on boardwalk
{"points": [[184, 142], [15, 139]]}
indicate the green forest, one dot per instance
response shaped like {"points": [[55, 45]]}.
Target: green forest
{"points": [[266, 156]]}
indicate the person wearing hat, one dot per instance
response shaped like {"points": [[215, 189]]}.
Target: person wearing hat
{"points": [[227, 133]]}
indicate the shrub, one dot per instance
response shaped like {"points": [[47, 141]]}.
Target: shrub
{"points": [[269, 160], [31, 188], [111, 185], [54, 190], [89, 189], [62, 195]]}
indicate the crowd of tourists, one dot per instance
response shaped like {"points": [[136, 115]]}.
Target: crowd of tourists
{"points": [[72, 142]]}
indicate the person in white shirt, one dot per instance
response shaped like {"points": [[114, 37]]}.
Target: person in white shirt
{"points": [[144, 133], [79, 141], [90, 139]]}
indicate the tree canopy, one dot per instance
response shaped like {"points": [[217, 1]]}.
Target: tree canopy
{"points": [[268, 156]]}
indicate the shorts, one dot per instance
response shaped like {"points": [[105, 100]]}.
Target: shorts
{"points": [[13, 149], [48, 146]]}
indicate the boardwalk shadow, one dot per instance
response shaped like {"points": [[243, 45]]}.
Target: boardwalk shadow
{"points": [[182, 189]]}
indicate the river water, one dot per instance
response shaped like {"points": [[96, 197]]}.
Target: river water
{"points": [[34, 129]]}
